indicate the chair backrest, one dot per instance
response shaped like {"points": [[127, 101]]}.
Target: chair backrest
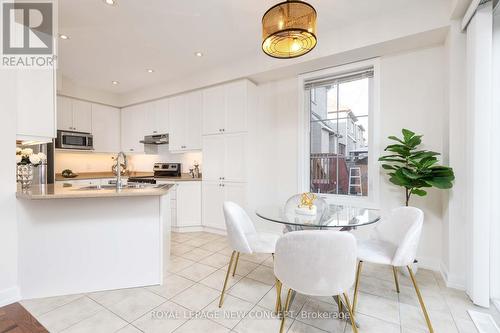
{"points": [[238, 227], [316, 262], [402, 228]]}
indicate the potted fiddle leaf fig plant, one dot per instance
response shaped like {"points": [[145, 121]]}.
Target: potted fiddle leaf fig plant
{"points": [[415, 169]]}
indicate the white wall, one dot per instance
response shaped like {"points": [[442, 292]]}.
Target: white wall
{"points": [[9, 291], [412, 96]]}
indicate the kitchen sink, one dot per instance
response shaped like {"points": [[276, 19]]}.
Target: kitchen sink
{"points": [[111, 186]]}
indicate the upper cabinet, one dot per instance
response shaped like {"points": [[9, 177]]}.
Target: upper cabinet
{"points": [[106, 128], [185, 122], [225, 108], [133, 124], [36, 104], [74, 115], [156, 117]]}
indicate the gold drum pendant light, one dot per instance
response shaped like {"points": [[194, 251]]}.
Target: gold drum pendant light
{"points": [[289, 29]]}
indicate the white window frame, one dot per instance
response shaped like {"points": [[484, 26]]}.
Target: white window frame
{"points": [[374, 149]]}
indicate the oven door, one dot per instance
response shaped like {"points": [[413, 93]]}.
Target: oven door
{"points": [[74, 140]]}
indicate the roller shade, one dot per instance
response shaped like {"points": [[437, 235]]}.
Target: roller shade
{"points": [[335, 80]]}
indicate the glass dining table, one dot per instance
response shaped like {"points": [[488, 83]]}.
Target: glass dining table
{"points": [[329, 216]]}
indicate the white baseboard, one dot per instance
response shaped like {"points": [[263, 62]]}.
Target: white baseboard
{"points": [[452, 281], [428, 263], [496, 303], [9, 296], [198, 229]]}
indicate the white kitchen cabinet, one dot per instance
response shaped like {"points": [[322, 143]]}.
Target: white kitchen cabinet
{"points": [[213, 196], [82, 116], [214, 110], [106, 128], [74, 115], [237, 101], [185, 122], [188, 204], [224, 157], [36, 98], [132, 128], [162, 107], [156, 117], [225, 107], [64, 114]]}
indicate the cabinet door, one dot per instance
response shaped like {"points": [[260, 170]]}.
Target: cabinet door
{"points": [[150, 118], [82, 116], [213, 110], [236, 107], [162, 115], [188, 204], [178, 110], [235, 192], [193, 120], [132, 129], [35, 103], [64, 114], [235, 165], [213, 157], [106, 128], [212, 200]]}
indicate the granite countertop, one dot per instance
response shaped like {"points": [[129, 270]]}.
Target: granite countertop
{"points": [[59, 191], [106, 174]]}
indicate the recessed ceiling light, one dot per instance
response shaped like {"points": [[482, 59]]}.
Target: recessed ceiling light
{"points": [[199, 54], [150, 70], [115, 82], [110, 2], [63, 36]]}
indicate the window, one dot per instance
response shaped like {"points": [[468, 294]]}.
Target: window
{"points": [[339, 123]]}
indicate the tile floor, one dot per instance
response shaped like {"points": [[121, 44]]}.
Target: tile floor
{"points": [[188, 300]]}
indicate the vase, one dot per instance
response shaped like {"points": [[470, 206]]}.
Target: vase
{"points": [[25, 175]]}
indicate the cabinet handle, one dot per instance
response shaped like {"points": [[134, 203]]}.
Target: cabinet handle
{"points": [[131, 149], [223, 130], [155, 132]]}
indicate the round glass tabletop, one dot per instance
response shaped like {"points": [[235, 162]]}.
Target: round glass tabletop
{"points": [[330, 216]]}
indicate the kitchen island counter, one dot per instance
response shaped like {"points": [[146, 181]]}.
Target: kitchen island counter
{"points": [[87, 240], [60, 191]]}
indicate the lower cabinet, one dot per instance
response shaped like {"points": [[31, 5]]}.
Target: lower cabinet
{"points": [[213, 196], [185, 203], [188, 204]]}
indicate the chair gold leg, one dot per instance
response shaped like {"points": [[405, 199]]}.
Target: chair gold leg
{"points": [[395, 271], [421, 301], [356, 286], [339, 304], [225, 281], [279, 286], [351, 313], [236, 263], [287, 305]]}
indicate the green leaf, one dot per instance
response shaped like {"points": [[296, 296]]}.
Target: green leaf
{"points": [[388, 167], [410, 174], [395, 138], [419, 192], [441, 182], [407, 134]]}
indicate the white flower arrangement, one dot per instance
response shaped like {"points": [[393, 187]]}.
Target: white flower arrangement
{"points": [[26, 156]]}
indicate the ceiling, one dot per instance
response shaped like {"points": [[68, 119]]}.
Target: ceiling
{"points": [[121, 42]]}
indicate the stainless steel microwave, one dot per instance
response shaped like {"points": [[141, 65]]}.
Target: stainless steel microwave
{"points": [[74, 140]]}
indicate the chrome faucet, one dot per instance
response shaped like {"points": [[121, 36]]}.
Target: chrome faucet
{"points": [[119, 183]]}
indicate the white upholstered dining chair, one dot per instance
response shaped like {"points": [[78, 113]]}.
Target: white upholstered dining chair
{"points": [[394, 243], [316, 263], [243, 238]]}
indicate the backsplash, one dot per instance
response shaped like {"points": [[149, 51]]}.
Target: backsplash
{"points": [[97, 162]]}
